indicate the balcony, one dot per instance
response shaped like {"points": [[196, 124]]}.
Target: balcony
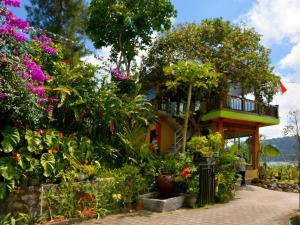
{"points": [[243, 105]]}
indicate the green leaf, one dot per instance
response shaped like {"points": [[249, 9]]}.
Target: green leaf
{"points": [[34, 142], [48, 161], [270, 150], [11, 138], [3, 190]]}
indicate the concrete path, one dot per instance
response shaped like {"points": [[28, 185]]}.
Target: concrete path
{"points": [[252, 206]]}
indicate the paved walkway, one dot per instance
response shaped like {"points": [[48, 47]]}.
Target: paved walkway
{"points": [[252, 206]]}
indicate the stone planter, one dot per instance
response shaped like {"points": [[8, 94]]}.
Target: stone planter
{"points": [[166, 184], [152, 202]]}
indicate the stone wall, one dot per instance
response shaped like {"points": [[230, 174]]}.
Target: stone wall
{"points": [[25, 200]]}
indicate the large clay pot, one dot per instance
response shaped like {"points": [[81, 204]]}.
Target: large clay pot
{"points": [[165, 183]]}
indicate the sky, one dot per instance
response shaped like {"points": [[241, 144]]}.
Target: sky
{"points": [[278, 21]]}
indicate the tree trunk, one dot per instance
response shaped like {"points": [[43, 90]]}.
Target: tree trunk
{"points": [[186, 119]]}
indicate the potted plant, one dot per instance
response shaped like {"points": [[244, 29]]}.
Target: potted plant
{"points": [[199, 146], [204, 148], [165, 181], [192, 192]]}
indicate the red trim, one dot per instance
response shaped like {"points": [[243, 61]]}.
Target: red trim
{"points": [[158, 132]]}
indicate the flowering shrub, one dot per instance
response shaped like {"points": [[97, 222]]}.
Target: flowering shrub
{"points": [[22, 79]]}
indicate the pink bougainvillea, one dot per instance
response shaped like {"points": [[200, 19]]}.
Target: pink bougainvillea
{"points": [[15, 31]]}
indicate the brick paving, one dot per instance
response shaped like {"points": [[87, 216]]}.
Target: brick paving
{"points": [[251, 206]]}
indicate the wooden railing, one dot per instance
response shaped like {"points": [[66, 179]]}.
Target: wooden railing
{"points": [[243, 105]]}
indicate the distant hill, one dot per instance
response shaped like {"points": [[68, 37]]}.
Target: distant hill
{"points": [[288, 147]]}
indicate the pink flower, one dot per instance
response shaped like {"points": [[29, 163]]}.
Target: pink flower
{"points": [[119, 74], [15, 3], [13, 21], [48, 49], [53, 100], [18, 37], [2, 96], [35, 70], [4, 30], [44, 43], [40, 91]]}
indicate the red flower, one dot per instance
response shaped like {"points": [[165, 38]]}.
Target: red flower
{"points": [[151, 146], [47, 131], [60, 135], [55, 150], [185, 173], [112, 127], [87, 197], [39, 131], [16, 156]]}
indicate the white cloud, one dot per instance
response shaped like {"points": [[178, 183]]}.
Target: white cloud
{"points": [[103, 53], [279, 23], [287, 102], [292, 61], [276, 20]]}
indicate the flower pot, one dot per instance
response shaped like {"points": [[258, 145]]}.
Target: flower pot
{"points": [[165, 184], [190, 200]]}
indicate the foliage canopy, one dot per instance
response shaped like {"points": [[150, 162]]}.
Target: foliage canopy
{"points": [[127, 25], [235, 51]]}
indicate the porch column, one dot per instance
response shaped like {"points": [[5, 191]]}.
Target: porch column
{"points": [[220, 129], [255, 160]]}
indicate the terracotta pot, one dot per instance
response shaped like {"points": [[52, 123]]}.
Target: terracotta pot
{"points": [[165, 183]]}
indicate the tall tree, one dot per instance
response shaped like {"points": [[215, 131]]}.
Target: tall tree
{"points": [[233, 50], [191, 75], [65, 18], [293, 129], [127, 26]]}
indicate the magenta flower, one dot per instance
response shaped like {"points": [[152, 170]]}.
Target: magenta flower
{"points": [[19, 37], [44, 43], [4, 30], [35, 70], [25, 75], [2, 96], [15, 3], [40, 91], [49, 110], [53, 100], [41, 101], [31, 87], [119, 74], [48, 49]]}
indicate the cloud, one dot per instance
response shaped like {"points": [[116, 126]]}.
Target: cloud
{"points": [[103, 53], [287, 102], [291, 61], [276, 20]]}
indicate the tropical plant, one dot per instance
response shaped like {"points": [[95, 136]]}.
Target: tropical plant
{"points": [[206, 146], [226, 174], [191, 75]]}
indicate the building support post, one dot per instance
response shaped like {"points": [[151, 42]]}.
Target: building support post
{"points": [[255, 160], [220, 129]]}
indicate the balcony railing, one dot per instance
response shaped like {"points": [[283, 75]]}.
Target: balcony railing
{"points": [[243, 105]]}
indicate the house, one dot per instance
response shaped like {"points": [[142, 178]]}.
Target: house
{"points": [[236, 116]]}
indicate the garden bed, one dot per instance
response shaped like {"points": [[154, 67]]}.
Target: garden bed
{"points": [[287, 186]]}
